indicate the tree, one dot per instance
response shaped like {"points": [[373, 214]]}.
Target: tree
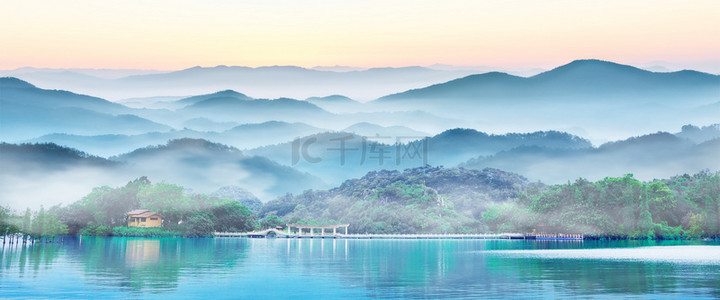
{"points": [[27, 221], [6, 223], [198, 224], [103, 207], [167, 199], [38, 223], [232, 216], [271, 222]]}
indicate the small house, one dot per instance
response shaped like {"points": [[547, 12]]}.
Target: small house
{"points": [[144, 218]]}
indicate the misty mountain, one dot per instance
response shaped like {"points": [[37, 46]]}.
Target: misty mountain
{"points": [[107, 145], [205, 124], [336, 104], [59, 73], [456, 145], [331, 99], [16, 91], [336, 156], [225, 109], [371, 130], [51, 174], [578, 78], [248, 136], [221, 94], [242, 136], [415, 119], [233, 109], [46, 156], [583, 94], [217, 111], [28, 111], [18, 122], [261, 82], [34, 174], [242, 196], [204, 166], [159, 102], [700, 134], [647, 157]]}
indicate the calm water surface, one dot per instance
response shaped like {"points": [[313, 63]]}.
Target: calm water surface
{"points": [[289, 268]]}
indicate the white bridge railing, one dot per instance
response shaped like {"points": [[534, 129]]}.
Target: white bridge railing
{"points": [[435, 236], [282, 234]]}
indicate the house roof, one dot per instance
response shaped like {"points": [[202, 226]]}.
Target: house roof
{"points": [[141, 213]]}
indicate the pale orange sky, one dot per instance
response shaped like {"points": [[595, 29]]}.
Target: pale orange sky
{"points": [[176, 34]]}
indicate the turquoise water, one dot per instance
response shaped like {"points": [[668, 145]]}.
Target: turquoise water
{"points": [[234, 268]]}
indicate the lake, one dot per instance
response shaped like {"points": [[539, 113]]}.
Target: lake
{"points": [[224, 268]]}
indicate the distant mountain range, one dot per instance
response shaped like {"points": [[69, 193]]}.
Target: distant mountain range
{"points": [[337, 156], [16, 91], [337, 104], [97, 73], [261, 82], [256, 110], [578, 97], [647, 157], [554, 126], [584, 94], [28, 111], [581, 78], [245, 136]]}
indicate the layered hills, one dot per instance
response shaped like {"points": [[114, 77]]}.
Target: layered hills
{"points": [[587, 119]]}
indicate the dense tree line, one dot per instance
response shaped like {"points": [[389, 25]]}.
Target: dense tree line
{"points": [[686, 206], [41, 224], [102, 211], [419, 200]]}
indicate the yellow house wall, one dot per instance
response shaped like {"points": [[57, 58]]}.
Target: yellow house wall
{"points": [[147, 223]]}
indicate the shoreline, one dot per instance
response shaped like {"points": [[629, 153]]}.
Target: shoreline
{"points": [[61, 238]]}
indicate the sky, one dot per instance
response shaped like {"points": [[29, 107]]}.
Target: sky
{"points": [[177, 34]]}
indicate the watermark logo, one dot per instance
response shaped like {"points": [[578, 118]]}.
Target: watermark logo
{"points": [[351, 149]]}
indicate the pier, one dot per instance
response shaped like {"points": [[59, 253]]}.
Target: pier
{"points": [[557, 237], [275, 233], [324, 232]]}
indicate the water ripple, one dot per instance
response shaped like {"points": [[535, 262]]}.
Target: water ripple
{"points": [[702, 255]]}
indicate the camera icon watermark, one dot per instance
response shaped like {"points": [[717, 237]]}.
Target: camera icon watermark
{"points": [[351, 148]]}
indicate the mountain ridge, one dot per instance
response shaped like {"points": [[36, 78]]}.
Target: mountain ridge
{"points": [[585, 72]]}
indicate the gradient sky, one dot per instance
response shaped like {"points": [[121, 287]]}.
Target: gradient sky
{"points": [[179, 34]]}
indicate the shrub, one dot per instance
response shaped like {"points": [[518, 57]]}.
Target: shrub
{"points": [[95, 229], [144, 232]]}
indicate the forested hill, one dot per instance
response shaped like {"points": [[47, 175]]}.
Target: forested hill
{"points": [[425, 199], [19, 157], [456, 200]]}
